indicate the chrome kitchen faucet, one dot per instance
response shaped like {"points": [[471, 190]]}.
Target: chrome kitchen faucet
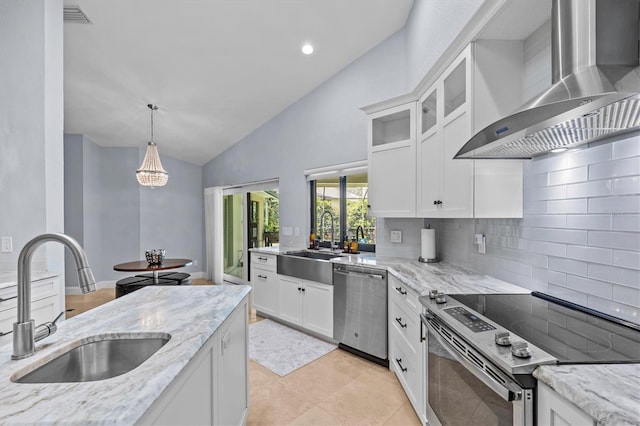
{"points": [[25, 334]]}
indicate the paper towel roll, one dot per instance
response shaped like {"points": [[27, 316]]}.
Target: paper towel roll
{"points": [[428, 244]]}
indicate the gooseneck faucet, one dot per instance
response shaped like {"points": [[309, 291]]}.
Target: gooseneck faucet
{"points": [[333, 233], [25, 334]]}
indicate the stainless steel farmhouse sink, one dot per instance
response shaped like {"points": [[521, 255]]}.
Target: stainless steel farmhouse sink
{"points": [[97, 358], [308, 265]]}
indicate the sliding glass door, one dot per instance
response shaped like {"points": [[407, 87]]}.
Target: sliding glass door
{"points": [[251, 219]]}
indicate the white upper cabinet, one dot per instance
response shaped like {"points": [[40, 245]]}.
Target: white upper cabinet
{"points": [[412, 172], [392, 162], [445, 186]]}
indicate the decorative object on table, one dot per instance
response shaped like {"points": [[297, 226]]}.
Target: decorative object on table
{"points": [[282, 349], [428, 246], [151, 173], [155, 257]]}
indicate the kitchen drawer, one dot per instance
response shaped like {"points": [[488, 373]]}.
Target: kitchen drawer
{"points": [[265, 261], [408, 369], [42, 310], [39, 290], [405, 324], [405, 294]]}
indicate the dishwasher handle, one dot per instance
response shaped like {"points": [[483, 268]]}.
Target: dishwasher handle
{"points": [[360, 274]]}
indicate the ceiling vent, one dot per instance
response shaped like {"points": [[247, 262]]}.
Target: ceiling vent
{"points": [[76, 15]]}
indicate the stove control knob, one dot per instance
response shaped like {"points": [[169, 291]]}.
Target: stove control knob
{"points": [[441, 298], [502, 338], [520, 350]]}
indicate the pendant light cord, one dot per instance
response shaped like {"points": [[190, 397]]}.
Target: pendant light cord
{"points": [[152, 108]]}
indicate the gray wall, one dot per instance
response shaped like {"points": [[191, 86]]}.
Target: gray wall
{"points": [[31, 128], [327, 127], [116, 219]]}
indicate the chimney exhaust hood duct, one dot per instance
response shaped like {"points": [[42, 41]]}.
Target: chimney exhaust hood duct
{"points": [[596, 85]]}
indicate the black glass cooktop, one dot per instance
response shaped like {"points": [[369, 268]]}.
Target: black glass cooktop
{"points": [[569, 332]]}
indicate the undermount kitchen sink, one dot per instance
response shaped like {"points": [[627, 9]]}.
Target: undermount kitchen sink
{"points": [[97, 358], [308, 265]]}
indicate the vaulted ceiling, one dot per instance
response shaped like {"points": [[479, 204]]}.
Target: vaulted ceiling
{"points": [[217, 69]]}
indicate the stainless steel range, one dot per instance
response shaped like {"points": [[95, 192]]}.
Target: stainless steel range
{"points": [[483, 349]]}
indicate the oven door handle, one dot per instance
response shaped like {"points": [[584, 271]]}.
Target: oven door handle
{"points": [[504, 393]]}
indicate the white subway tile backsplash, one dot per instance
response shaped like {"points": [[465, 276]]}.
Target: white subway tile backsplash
{"points": [[568, 294], [547, 248], [614, 274], [590, 254], [617, 240], [617, 309], [586, 156], [598, 188], [626, 222], [628, 185], [590, 286], [546, 193], [545, 221], [615, 168], [567, 206], [625, 204], [575, 267], [590, 221], [626, 295], [627, 147], [579, 238], [560, 177], [626, 259]]}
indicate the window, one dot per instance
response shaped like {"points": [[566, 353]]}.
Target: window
{"points": [[342, 201]]}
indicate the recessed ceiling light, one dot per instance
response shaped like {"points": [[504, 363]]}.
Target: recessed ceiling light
{"points": [[555, 150], [307, 49]]}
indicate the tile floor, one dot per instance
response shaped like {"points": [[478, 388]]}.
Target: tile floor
{"points": [[336, 389]]}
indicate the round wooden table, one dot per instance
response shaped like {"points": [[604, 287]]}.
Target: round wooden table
{"points": [[144, 266]]}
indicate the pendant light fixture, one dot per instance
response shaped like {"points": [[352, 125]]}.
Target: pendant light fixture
{"points": [[151, 173]]}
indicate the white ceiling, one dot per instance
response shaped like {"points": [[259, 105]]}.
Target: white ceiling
{"points": [[217, 69]]}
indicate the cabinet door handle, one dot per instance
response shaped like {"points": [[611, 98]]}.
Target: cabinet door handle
{"points": [[399, 319], [399, 362], [8, 298], [264, 277], [402, 292]]}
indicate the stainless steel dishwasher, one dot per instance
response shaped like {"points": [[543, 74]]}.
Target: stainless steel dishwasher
{"points": [[360, 311]]}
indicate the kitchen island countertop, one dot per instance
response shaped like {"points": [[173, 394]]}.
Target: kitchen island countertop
{"points": [[190, 314]]}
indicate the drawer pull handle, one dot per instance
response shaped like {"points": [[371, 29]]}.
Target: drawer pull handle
{"points": [[402, 292], [4, 300], [264, 277], [400, 322], [399, 362]]}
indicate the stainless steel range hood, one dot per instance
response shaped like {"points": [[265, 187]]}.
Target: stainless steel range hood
{"points": [[596, 85]]}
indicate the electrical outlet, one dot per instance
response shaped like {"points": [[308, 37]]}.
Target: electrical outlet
{"points": [[7, 245], [396, 236], [480, 241]]}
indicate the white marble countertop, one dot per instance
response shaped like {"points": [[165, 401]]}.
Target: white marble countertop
{"points": [[190, 314], [9, 279], [610, 393]]}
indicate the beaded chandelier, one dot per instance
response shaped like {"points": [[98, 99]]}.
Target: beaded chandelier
{"points": [[151, 173]]}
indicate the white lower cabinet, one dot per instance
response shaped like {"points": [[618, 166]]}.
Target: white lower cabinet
{"points": [[306, 303], [47, 301], [556, 410], [406, 349], [264, 280], [213, 388]]}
